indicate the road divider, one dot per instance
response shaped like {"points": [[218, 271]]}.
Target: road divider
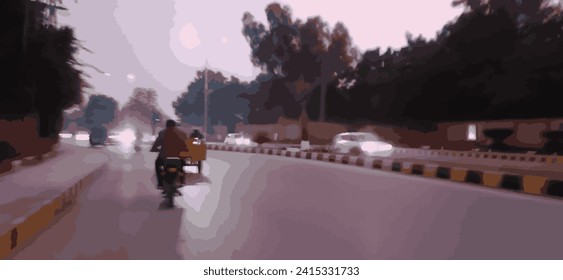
{"points": [[517, 181], [530, 157]]}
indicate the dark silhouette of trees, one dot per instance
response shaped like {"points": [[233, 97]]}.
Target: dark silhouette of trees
{"points": [[100, 111], [51, 79], [298, 57], [500, 59], [39, 62], [226, 105], [143, 107], [189, 106]]}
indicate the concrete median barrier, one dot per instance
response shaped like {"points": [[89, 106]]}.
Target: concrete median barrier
{"points": [[360, 161], [554, 188], [478, 175], [24, 229], [530, 157], [512, 182], [396, 166], [377, 164], [474, 177], [492, 179], [417, 169], [444, 172]]}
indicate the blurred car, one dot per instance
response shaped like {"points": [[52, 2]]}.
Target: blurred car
{"points": [[357, 143], [239, 139], [65, 134], [98, 136], [113, 138], [82, 136]]}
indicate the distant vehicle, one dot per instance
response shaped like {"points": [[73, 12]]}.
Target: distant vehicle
{"points": [[65, 134], [98, 136], [113, 138], [239, 139], [357, 143], [82, 136]]}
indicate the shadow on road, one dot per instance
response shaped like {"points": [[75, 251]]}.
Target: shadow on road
{"points": [[195, 178]]}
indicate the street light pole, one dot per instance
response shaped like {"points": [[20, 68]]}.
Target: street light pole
{"points": [[205, 92]]}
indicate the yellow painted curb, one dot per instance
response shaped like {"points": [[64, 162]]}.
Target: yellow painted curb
{"points": [[458, 174], [430, 171], [5, 244], [534, 184], [42, 218], [492, 179], [34, 223]]}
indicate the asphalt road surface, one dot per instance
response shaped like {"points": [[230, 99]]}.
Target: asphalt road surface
{"points": [[249, 206]]}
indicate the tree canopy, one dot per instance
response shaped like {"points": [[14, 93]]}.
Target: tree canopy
{"points": [[297, 56], [39, 59], [225, 104]]}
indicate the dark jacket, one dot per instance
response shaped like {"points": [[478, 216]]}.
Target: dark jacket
{"points": [[171, 141]]}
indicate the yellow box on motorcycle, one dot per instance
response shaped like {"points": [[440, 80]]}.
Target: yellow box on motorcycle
{"points": [[197, 150]]}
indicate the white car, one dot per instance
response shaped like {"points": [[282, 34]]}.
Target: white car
{"points": [[357, 143], [82, 136], [239, 139], [113, 138]]}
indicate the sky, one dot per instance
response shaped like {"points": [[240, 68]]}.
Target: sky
{"points": [[161, 44]]}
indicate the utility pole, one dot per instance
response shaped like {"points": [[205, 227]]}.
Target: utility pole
{"points": [[205, 92]]}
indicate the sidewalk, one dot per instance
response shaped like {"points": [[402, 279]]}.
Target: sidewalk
{"points": [[31, 197]]}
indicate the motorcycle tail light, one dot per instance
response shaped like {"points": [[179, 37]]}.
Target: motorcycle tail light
{"points": [[172, 169]]}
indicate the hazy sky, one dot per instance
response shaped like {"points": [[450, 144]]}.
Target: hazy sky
{"points": [[160, 44]]}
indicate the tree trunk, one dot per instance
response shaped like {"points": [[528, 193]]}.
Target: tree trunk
{"points": [[322, 112], [48, 122], [304, 122]]}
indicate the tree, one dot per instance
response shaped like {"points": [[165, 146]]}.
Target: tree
{"points": [[485, 65], [189, 106], [143, 107], [226, 106], [40, 62], [300, 56], [101, 110]]}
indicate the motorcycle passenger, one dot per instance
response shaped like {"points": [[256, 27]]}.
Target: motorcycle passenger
{"points": [[170, 142], [196, 134]]}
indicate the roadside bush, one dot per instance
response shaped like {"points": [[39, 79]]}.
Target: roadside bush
{"points": [[7, 151], [261, 138]]}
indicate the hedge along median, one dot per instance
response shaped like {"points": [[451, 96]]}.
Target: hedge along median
{"points": [[513, 181], [24, 229]]}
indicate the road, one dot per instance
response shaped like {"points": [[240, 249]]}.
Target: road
{"points": [[251, 206]]}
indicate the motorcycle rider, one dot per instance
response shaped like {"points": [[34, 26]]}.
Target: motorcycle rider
{"points": [[170, 142]]}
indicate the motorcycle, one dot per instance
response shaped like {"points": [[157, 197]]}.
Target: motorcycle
{"points": [[172, 173], [172, 169]]}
